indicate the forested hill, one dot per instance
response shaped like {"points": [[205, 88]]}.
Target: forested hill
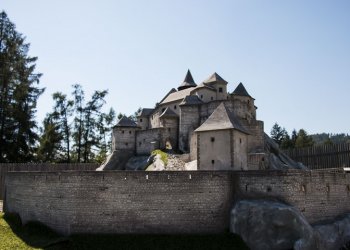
{"points": [[323, 138]]}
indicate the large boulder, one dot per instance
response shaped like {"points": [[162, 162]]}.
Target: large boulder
{"points": [[278, 159], [334, 235], [116, 160], [271, 225]]}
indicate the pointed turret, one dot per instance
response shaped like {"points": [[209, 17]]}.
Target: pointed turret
{"points": [[215, 78], [241, 91], [126, 122], [188, 82]]}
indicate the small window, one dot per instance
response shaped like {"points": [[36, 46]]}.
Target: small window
{"points": [[175, 107], [126, 143], [201, 96], [240, 140], [122, 131], [169, 129], [140, 143], [212, 139], [141, 120], [163, 109], [220, 90], [129, 132], [212, 161], [212, 98]]}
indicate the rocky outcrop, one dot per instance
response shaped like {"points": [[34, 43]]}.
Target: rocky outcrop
{"points": [[335, 235], [273, 225], [116, 160], [278, 159]]}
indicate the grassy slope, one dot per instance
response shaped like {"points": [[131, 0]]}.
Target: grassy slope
{"points": [[36, 236]]}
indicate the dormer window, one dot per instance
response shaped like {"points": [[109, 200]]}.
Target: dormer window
{"points": [[220, 90]]}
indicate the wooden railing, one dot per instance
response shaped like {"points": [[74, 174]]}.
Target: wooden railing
{"points": [[321, 157]]}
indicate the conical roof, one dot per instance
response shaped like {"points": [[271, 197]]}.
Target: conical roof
{"points": [[188, 82], [126, 122], [215, 78], [191, 100], [168, 113], [220, 119], [240, 90]]}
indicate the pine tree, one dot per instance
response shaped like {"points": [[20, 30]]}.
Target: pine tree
{"points": [[303, 139], [50, 141], [278, 134], [18, 95]]}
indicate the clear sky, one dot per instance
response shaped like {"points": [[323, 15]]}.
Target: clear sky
{"points": [[293, 56]]}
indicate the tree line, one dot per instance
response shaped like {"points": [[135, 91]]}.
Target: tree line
{"points": [[301, 139]]}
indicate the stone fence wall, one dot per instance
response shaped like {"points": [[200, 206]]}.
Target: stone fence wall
{"points": [[166, 202], [43, 167]]}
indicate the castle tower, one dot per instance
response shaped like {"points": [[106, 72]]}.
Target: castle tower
{"points": [[188, 82], [243, 103], [124, 135], [219, 84]]}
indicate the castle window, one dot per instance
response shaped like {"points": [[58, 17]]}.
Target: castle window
{"points": [[212, 139], [212, 161], [122, 131], [141, 120], [169, 129], [220, 90], [175, 107], [129, 132], [240, 140], [212, 98], [201, 96]]}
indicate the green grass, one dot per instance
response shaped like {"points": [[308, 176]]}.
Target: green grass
{"points": [[36, 236], [163, 155]]}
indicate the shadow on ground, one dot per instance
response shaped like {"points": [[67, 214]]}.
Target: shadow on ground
{"points": [[39, 236]]}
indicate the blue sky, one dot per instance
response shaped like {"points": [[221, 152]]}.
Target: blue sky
{"points": [[292, 56]]}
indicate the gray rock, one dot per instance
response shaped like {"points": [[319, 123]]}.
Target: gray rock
{"points": [[116, 160], [137, 163], [271, 225], [278, 159], [335, 235]]}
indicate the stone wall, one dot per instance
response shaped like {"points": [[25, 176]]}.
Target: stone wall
{"points": [[189, 121], [166, 202], [148, 140], [43, 167], [122, 201]]}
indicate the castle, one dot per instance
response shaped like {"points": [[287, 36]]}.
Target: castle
{"points": [[217, 128]]}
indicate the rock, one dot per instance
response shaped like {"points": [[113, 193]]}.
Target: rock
{"points": [[191, 166], [278, 159], [335, 235], [116, 160], [137, 163], [157, 165], [271, 225]]}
